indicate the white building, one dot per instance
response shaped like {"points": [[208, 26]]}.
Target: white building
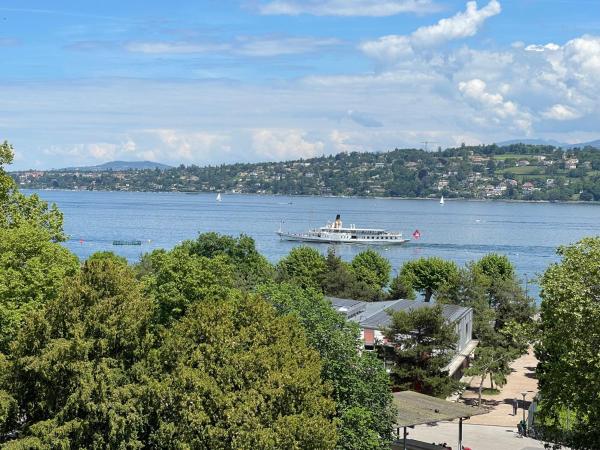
{"points": [[374, 317]]}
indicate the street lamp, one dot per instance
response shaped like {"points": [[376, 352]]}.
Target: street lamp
{"points": [[523, 394]]}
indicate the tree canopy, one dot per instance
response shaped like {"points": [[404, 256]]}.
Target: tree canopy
{"points": [[568, 343], [423, 343], [426, 275]]}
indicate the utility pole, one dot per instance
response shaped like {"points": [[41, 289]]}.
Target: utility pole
{"points": [[427, 144]]}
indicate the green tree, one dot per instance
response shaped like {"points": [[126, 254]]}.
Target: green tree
{"points": [[251, 268], [470, 290], [492, 361], [304, 266], [17, 209], [32, 271], [360, 384], [234, 375], [426, 275], [423, 343], [72, 370], [179, 278], [374, 267], [568, 342], [495, 266], [400, 288]]}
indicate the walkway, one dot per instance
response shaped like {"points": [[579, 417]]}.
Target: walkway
{"points": [[477, 437], [522, 379]]}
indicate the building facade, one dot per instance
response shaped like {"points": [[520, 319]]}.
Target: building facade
{"points": [[374, 317]]}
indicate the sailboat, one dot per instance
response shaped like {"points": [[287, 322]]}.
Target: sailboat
{"points": [[442, 200], [219, 197]]}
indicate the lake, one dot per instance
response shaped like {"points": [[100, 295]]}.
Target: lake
{"points": [[528, 233]]}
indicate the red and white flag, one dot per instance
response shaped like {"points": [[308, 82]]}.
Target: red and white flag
{"points": [[417, 234]]}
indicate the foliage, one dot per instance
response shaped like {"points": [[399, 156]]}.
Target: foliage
{"points": [[469, 290], [234, 375], [373, 268], [360, 383], [492, 361], [400, 288], [569, 361], [17, 209], [426, 275], [179, 278], [250, 267], [73, 366], [91, 370], [304, 266], [495, 266], [32, 270], [423, 344], [397, 173]]}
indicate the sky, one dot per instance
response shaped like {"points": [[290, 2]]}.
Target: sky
{"points": [[220, 81]]}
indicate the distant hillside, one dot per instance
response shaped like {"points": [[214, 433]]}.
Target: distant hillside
{"points": [[121, 165], [595, 144], [516, 172], [533, 142], [549, 142]]}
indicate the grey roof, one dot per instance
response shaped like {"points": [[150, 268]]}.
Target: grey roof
{"points": [[416, 409], [375, 315]]}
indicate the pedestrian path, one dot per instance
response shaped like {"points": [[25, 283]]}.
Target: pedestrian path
{"points": [[475, 437], [522, 379]]}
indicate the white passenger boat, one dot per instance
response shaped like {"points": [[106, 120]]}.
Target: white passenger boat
{"points": [[335, 233]]}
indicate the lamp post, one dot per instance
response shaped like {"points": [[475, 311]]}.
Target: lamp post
{"points": [[523, 394]]}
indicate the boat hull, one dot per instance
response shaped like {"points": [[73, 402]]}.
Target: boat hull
{"points": [[328, 240]]}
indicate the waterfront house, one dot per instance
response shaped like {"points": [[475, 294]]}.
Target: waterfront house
{"points": [[374, 317]]}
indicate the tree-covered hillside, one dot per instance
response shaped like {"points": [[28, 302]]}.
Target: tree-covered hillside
{"points": [[518, 171]]}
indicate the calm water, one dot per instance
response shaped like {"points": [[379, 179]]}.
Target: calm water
{"points": [[459, 230]]}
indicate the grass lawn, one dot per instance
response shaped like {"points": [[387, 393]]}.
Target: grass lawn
{"points": [[512, 155], [523, 170]]}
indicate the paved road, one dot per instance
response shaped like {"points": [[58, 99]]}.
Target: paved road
{"points": [[477, 437]]}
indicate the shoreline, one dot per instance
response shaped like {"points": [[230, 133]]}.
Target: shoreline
{"points": [[447, 199]]}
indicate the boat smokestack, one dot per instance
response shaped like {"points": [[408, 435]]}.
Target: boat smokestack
{"points": [[338, 221]]}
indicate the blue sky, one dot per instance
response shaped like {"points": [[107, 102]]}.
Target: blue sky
{"points": [[208, 82]]}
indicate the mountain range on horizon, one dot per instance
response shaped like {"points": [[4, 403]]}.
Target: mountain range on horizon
{"points": [[144, 165], [564, 145], [121, 165]]}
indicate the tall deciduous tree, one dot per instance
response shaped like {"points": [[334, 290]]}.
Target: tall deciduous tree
{"points": [[304, 266], [569, 339], [179, 278], [17, 209], [32, 271], [423, 344], [250, 267], [426, 275], [360, 384], [374, 267]]}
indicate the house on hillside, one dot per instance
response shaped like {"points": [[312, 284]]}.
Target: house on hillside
{"points": [[374, 317]]}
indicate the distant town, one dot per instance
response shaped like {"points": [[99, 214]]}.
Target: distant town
{"points": [[516, 171]]}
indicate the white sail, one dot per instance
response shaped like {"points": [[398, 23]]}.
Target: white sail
{"points": [[442, 200], [219, 197]]}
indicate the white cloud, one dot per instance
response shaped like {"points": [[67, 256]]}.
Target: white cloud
{"points": [[494, 104], [174, 47], [190, 146], [255, 46], [102, 151], [541, 48], [372, 8], [464, 24], [274, 46], [561, 112], [285, 144]]}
